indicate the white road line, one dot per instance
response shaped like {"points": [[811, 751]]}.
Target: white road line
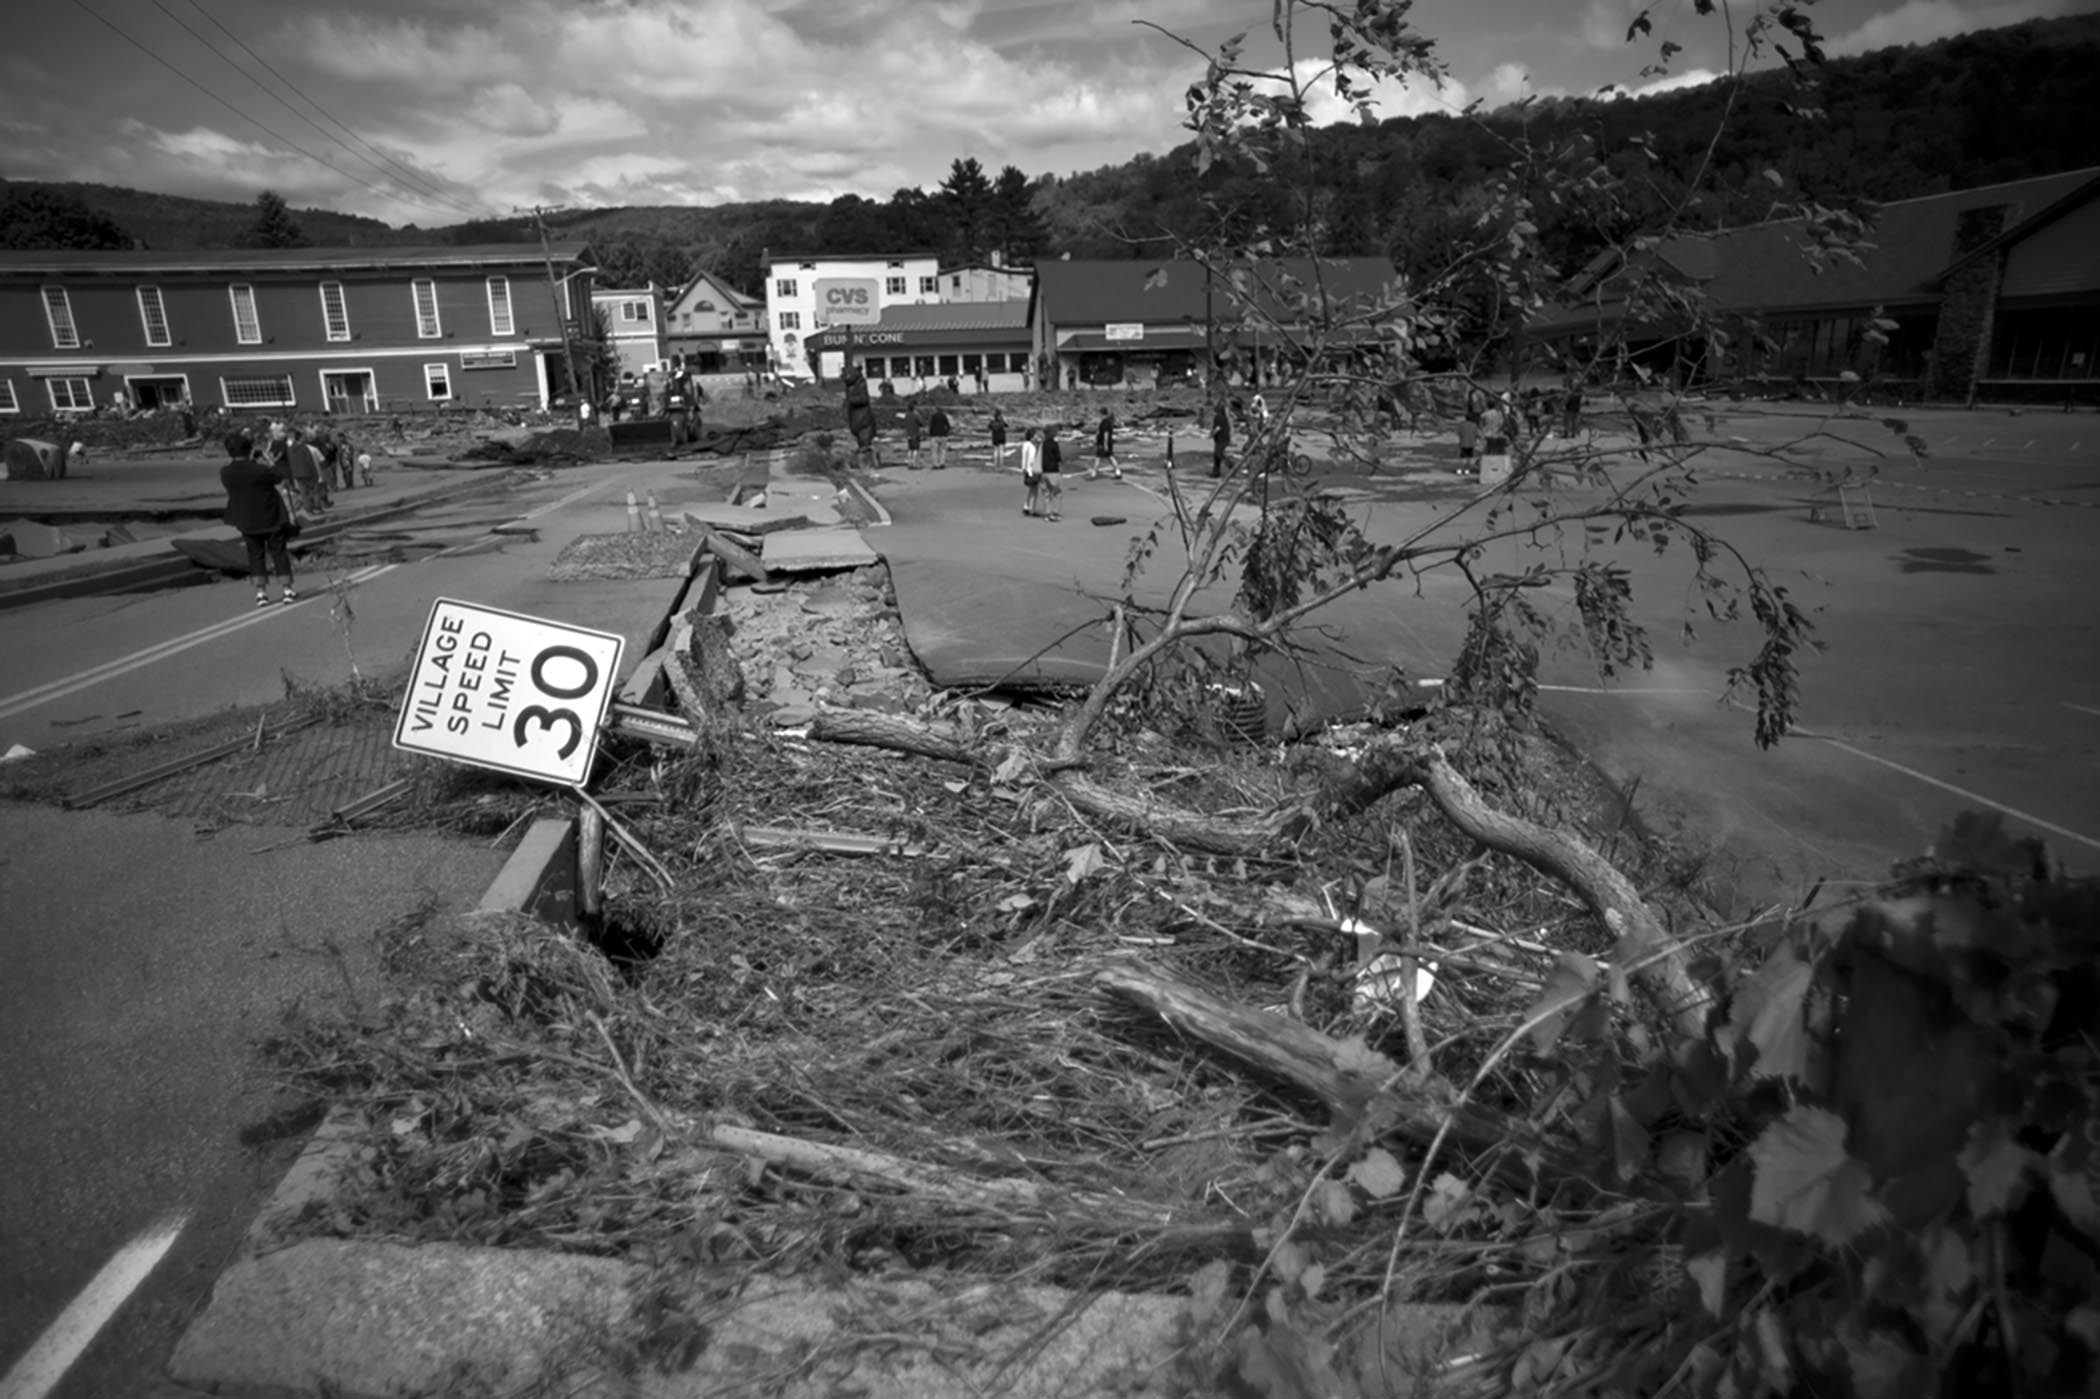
{"points": [[2081, 708], [38, 1373], [569, 499], [1964, 793], [24, 700]]}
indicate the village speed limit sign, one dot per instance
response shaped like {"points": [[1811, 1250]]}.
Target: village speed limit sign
{"points": [[504, 691]]}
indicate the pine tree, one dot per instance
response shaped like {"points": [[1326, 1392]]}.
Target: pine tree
{"points": [[967, 195], [274, 226], [1017, 229]]}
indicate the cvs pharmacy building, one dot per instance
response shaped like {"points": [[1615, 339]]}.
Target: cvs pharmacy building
{"points": [[934, 343]]}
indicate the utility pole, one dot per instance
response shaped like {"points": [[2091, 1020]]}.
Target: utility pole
{"points": [[568, 347]]}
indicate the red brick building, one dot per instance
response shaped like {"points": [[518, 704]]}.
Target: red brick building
{"points": [[306, 330]]}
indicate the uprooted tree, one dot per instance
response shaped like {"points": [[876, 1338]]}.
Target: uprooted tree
{"points": [[1787, 1207]]}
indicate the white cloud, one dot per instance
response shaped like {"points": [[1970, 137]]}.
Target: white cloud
{"points": [[751, 98], [1412, 98], [1675, 82], [1605, 22], [1922, 21], [1507, 83]]}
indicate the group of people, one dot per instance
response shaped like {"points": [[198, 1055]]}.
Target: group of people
{"points": [[273, 477]]}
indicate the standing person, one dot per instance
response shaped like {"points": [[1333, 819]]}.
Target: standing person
{"points": [[1031, 470], [1495, 422], [1571, 410], [914, 428], [860, 416], [1105, 448], [998, 427], [937, 429], [1220, 436], [1261, 413], [256, 509], [298, 465], [1053, 463]]}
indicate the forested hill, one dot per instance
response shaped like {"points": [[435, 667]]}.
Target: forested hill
{"points": [[1994, 105]]}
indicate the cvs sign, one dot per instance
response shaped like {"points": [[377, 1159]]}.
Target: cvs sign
{"points": [[848, 301]]}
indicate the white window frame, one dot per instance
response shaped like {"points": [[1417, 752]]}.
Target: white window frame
{"points": [[431, 374], [131, 386], [499, 291], [87, 393], [786, 288], [340, 312], [634, 310], [790, 320], [153, 307], [930, 286], [8, 402], [432, 328], [251, 332], [894, 286], [291, 391], [58, 315]]}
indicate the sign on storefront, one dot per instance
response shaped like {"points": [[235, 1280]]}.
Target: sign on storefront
{"points": [[501, 690], [1124, 330], [848, 301]]}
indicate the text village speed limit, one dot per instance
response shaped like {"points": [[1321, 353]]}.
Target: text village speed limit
{"points": [[500, 690]]}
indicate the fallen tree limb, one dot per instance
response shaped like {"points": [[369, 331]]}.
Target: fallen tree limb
{"points": [[962, 1191], [1347, 1080], [890, 731], [1644, 947]]}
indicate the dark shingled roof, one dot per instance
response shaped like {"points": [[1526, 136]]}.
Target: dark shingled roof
{"points": [[1766, 267], [132, 261], [1103, 291], [952, 316]]}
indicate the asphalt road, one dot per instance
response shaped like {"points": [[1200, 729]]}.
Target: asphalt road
{"points": [[142, 961]]}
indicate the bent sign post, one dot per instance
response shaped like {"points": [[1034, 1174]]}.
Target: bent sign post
{"points": [[499, 690]]}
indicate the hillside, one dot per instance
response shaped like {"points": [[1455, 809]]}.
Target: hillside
{"points": [[172, 221], [1994, 105]]}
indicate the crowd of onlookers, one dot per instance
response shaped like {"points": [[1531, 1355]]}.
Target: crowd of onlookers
{"points": [[318, 461]]}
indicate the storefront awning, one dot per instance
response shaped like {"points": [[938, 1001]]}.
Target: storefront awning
{"points": [[1155, 338], [878, 341], [64, 371]]}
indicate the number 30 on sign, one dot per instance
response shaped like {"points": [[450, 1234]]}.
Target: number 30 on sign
{"points": [[513, 693]]}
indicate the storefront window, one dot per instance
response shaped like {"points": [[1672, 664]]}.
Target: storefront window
{"points": [[922, 365], [948, 366], [972, 363]]}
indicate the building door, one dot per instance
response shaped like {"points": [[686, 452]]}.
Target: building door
{"points": [[349, 391]]}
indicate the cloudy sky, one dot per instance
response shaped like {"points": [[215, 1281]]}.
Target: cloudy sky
{"points": [[429, 111]]}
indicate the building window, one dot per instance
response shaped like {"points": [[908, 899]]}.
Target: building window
{"points": [[929, 286], [247, 326], [437, 380], [634, 313], [893, 285], [784, 288], [428, 326], [70, 395], [955, 282], [947, 366], [257, 391], [790, 320], [335, 312], [154, 316], [58, 313], [972, 363], [8, 402], [500, 322]]}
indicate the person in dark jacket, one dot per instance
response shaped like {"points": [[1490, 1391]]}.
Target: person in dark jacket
{"points": [[256, 509], [1220, 437], [914, 427], [998, 427], [1053, 464], [860, 416], [937, 432]]}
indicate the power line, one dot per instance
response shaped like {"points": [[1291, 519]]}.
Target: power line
{"points": [[402, 173], [128, 38]]}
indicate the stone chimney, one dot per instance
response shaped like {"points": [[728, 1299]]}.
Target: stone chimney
{"points": [[998, 259]]}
